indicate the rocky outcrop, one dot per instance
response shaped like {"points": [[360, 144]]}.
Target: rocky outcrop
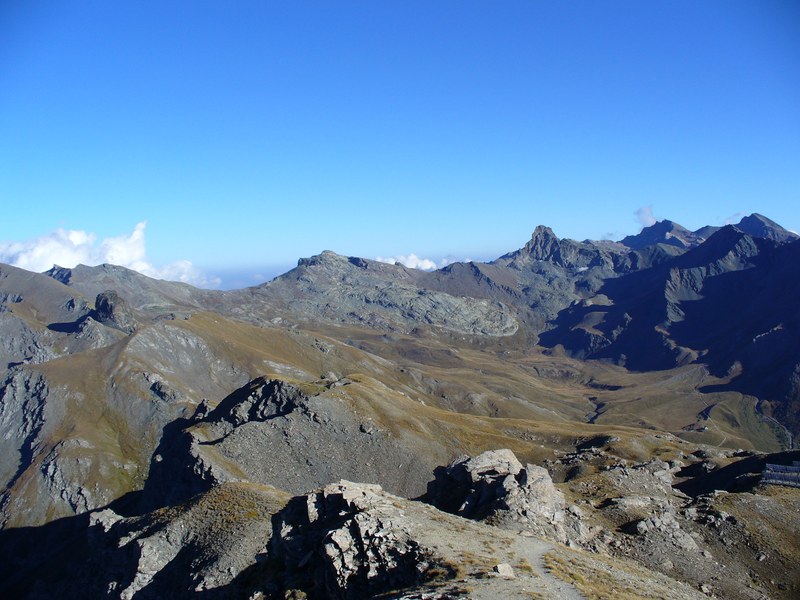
{"points": [[113, 310], [24, 412], [23, 400], [545, 247], [258, 401], [496, 488], [354, 540], [348, 540], [22, 344], [278, 433]]}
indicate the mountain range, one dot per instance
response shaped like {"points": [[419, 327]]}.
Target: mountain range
{"points": [[617, 401]]}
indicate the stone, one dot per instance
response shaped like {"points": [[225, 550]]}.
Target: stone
{"points": [[504, 570], [496, 488], [347, 540]]}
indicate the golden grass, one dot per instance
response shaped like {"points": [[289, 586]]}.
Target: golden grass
{"points": [[599, 578], [591, 584], [446, 395]]}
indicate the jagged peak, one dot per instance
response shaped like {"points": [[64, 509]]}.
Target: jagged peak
{"points": [[543, 231], [543, 245], [62, 274]]}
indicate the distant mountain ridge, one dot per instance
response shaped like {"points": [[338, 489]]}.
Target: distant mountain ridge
{"points": [[640, 302], [152, 433], [668, 232]]}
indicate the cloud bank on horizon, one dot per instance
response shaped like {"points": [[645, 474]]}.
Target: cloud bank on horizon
{"points": [[71, 247], [412, 261]]}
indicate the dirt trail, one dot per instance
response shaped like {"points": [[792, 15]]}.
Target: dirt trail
{"points": [[534, 550]]}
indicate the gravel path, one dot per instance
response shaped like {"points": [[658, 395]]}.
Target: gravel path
{"points": [[553, 587]]}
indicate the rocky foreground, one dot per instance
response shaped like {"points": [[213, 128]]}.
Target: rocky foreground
{"points": [[488, 527]]}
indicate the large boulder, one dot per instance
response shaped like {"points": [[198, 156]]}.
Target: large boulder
{"points": [[494, 487], [347, 540]]}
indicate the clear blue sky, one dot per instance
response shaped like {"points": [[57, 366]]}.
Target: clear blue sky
{"points": [[249, 134]]}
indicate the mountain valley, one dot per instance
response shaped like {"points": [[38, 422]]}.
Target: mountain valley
{"points": [[571, 420]]}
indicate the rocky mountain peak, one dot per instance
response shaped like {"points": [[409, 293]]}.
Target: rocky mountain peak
{"points": [[760, 226], [544, 243], [663, 232], [727, 243], [545, 246], [326, 257]]}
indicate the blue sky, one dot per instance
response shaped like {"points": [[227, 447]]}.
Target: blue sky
{"points": [[219, 142]]}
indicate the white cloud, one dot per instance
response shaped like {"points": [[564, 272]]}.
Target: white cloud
{"points": [[734, 218], [127, 250], [71, 247], [644, 216], [412, 261]]}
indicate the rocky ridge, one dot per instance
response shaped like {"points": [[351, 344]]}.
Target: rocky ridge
{"points": [[127, 449]]}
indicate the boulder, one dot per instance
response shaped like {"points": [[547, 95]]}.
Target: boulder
{"points": [[347, 540], [496, 488]]}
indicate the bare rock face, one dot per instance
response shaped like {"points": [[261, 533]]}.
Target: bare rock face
{"points": [[29, 411], [260, 400], [112, 310], [545, 246], [496, 488], [23, 398], [347, 540]]}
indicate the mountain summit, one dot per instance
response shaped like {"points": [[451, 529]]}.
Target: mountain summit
{"points": [[663, 232], [668, 232], [760, 226]]}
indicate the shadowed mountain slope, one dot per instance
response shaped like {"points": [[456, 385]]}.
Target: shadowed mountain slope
{"points": [[730, 303]]}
